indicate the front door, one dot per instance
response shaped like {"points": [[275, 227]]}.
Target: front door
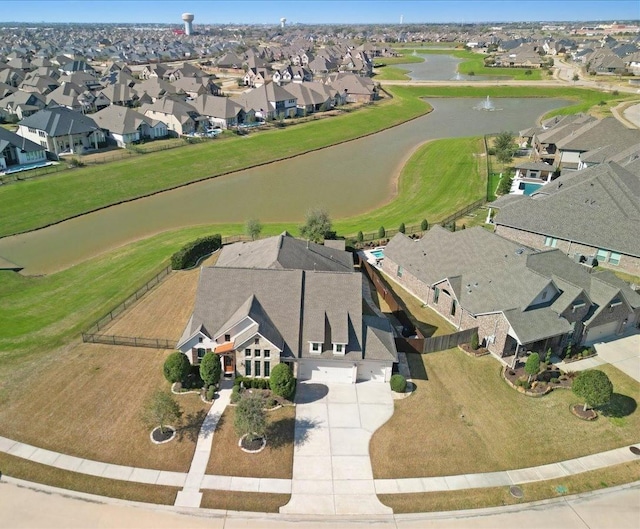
{"points": [[229, 365]]}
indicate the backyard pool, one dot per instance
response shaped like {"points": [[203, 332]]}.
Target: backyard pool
{"points": [[378, 253], [529, 188]]}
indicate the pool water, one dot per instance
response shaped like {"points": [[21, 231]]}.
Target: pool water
{"points": [[531, 188], [378, 254]]}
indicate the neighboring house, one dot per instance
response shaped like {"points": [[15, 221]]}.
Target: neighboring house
{"points": [[72, 96], [16, 150], [153, 71], [255, 318], [61, 130], [255, 77], [196, 86], [534, 170], [518, 298], [157, 89], [269, 101], [355, 89], [120, 94], [23, 104], [40, 84], [309, 100], [124, 125], [222, 112], [593, 214], [544, 141], [181, 117]]}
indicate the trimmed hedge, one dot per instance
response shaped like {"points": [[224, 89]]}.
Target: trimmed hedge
{"points": [[398, 383], [282, 382], [252, 383], [188, 255]]}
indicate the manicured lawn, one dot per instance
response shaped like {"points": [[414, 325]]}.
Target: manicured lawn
{"points": [[463, 418], [498, 496], [86, 400], [243, 501], [275, 461], [386, 69], [17, 467]]}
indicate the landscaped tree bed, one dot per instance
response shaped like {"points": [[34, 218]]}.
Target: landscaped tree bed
{"points": [[545, 381]]}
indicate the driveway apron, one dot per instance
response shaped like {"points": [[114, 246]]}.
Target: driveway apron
{"points": [[331, 466]]}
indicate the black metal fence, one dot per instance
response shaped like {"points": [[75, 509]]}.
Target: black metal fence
{"points": [[152, 343]]}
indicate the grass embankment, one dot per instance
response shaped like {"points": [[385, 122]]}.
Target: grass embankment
{"points": [[80, 190], [471, 421], [386, 68]]}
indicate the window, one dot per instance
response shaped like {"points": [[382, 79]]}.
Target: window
{"points": [[399, 271], [201, 352], [42, 134], [436, 294], [338, 348], [267, 368], [256, 341], [602, 255], [247, 352], [315, 347], [550, 241], [614, 258], [267, 353], [200, 339], [453, 307], [227, 337], [256, 367], [256, 353], [247, 368], [32, 130]]}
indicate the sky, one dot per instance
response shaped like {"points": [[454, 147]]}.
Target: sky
{"points": [[317, 11]]}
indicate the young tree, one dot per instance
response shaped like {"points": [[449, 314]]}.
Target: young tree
{"points": [[360, 237], [594, 387], [402, 228], [281, 381], [475, 341], [381, 232], [424, 225], [317, 225], [532, 366], [176, 367], [210, 369], [250, 418], [160, 409], [253, 228]]}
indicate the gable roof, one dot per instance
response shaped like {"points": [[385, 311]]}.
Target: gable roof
{"points": [[121, 120], [11, 138], [598, 206], [60, 121]]}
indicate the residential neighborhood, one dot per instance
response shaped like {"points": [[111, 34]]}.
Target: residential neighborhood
{"points": [[318, 264]]}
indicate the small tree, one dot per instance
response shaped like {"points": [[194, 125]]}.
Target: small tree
{"points": [[160, 409], [475, 341], [250, 418], [402, 228], [176, 367], [424, 225], [594, 387], [210, 369], [360, 236], [532, 366], [317, 225], [281, 381], [381, 232], [253, 228], [575, 77]]}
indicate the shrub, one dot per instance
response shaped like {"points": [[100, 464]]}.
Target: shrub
{"points": [[250, 418], [594, 387], [159, 409], [210, 369], [281, 381], [424, 225], [211, 392], [235, 394], [532, 365], [381, 232], [554, 380], [398, 383], [189, 254], [176, 367], [360, 236], [475, 341], [547, 358], [76, 162], [402, 228]]}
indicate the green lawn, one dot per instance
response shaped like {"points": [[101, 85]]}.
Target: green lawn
{"points": [[387, 70]]}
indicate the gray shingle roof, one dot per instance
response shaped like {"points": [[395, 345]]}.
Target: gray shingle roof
{"points": [[598, 206], [121, 120], [11, 138], [60, 121]]}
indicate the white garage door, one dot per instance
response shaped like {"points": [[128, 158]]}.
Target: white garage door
{"points": [[325, 372], [601, 332], [371, 371]]}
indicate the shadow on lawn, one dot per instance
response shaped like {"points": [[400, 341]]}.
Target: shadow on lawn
{"points": [[281, 432], [191, 424], [416, 366], [619, 406]]}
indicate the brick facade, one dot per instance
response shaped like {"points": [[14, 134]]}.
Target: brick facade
{"points": [[628, 263]]}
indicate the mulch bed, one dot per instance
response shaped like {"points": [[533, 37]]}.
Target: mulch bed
{"points": [[569, 359], [481, 351], [255, 444], [541, 384], [160, 437], [579, 411]]}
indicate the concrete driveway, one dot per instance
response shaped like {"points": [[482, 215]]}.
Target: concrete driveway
{"points": [[331, 465]]}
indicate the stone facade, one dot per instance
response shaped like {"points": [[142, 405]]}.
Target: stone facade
{"points": [[256, 357], [628, 263]]}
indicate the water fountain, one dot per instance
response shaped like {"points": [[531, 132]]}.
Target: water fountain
{"points": [[486, 105], [457, 77]]}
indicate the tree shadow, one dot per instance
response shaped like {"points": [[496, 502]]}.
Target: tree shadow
{"points": [[281, 432], [302, 430], [307, 393], [619, 406], [416, 366], [191, 424]]}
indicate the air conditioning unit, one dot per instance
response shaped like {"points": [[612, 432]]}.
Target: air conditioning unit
{"points": [[578, 257], [590, 260]]}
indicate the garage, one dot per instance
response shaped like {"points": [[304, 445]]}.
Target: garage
{"points": [[375, 371], [602, 332], [324, 371]]}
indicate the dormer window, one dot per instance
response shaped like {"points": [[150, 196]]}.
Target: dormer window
{"points": [[339, 348], [315, 347]]}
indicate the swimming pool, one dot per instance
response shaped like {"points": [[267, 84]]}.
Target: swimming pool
{"points": [[530, 188], [378, 253]]}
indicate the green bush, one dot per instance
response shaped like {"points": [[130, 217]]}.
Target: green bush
{"points": [[360, 236], [402, 228], [210, 369], [475, 341], [282, 382], [381, 232], [211, 392], [176, 367], [189, 254], [398, 383], [235, 394], [554, 380], [424, 225]]}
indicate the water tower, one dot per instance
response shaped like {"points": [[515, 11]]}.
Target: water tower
{"points": [[283, 21], [188, 26]]}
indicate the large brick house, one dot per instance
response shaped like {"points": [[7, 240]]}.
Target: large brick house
{"points": [[518, 298], [285, 300]]}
